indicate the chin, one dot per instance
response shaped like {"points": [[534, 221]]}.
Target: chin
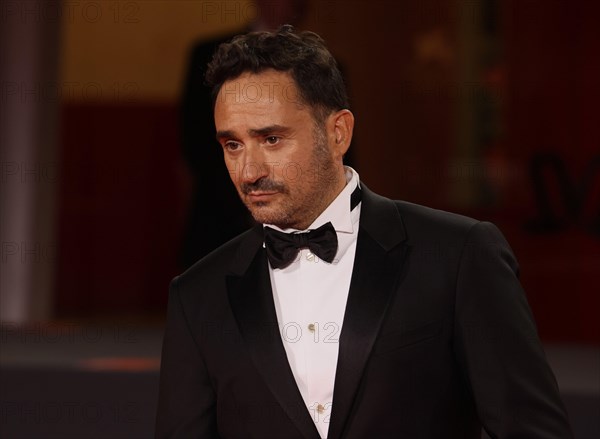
{"points": [[267, 216], [261, 214]]}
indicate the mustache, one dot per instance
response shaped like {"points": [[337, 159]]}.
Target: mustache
{"points": [[264, 184]]}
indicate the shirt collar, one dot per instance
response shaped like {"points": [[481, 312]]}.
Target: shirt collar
{"points": [[338, 212]]}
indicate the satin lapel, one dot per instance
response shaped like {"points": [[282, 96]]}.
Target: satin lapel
{"points": [[251, 300], [377, 273]]}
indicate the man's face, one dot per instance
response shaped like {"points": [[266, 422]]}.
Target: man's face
{"points": [[280, 160]]}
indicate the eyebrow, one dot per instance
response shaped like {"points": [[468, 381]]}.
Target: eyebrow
{"points": [[254, 132], [224, 134], [267, 130]]}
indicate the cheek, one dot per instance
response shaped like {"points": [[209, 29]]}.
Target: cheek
{"points": [[291, 167], [232, 169], [278, 171], [291, 174]]}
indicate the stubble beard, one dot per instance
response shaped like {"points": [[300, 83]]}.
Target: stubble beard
{"points": [[299, 210]]}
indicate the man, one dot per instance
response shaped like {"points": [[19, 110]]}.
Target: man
{"points": [[343, 314]]}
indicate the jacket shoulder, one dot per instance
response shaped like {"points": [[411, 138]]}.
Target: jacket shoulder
{"points": [[214, 267], [422, 222], [391, 221]]}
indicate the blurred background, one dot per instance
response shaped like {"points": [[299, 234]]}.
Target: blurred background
{"points": [[488, 108]]}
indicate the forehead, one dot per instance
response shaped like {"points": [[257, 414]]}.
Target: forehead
{"points": [[269, 94]]}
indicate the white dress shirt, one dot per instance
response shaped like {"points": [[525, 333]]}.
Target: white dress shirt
{"points": [[310, 299]]}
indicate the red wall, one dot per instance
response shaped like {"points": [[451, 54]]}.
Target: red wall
{"points": [[123, 192], [553, 66]]}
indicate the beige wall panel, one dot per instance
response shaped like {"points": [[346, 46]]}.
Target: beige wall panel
{"points": [[137, 50]]}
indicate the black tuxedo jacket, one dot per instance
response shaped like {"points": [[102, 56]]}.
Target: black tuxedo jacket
{"points": [[437, 340]]}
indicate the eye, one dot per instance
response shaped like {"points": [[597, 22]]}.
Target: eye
{"points": [[231, 146], [272, 140]]}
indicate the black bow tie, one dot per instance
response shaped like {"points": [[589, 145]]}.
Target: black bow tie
{"points": [[282, 248]]}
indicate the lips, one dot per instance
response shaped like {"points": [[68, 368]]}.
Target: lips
{"points": [[260, 196]]}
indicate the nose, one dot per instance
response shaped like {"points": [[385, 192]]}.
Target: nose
{"points": [[253, 167]]}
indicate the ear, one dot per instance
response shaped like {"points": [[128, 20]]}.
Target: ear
{"points": [[341, 125]]}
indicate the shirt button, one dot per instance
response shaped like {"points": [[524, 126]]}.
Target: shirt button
{"points": [[311, 327], [320, 408]]}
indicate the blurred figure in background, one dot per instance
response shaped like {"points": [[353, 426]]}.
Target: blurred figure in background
{"points": [[216, 213]]}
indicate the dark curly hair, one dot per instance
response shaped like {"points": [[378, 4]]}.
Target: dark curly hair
{"points": [[302, 54]]}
